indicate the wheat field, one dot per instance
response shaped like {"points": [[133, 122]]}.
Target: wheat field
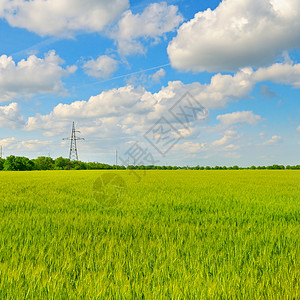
{"points": [[162, 235]]}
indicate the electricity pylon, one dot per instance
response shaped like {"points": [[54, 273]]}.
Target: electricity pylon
{"points": [[73, 145]]}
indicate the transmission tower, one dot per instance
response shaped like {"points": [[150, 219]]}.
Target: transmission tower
{"points": [[73, 145]]}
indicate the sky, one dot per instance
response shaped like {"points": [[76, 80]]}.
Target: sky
{"points": [[177, 82]]}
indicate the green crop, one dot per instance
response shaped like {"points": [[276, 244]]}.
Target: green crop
{"points": [[173, 235]]}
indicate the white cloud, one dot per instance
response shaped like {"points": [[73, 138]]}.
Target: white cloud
{"points": [[226, 145], [156, 20], [102, 67], [6, 143], [129, 110], [10, 116], [61, 17], [135, 109], [298, 128], [230, 135], [29, 145], [221, 89], [273, 141], [236, 34], [34, 75], [231, 147], [247, 117], [158, 75], [112, 111], [285, 73], [32, 145], [190, 147]]}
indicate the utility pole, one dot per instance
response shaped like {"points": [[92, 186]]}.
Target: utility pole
{"points": [[116, 159], [73, 155]]}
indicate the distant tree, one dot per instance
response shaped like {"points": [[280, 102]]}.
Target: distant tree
{"points": [[17, 163], [150, 167], [75, 165], [43, 163], [82, 165], [91, 166], [9, 164], [61, 163], [2, 161], [276, 167]]}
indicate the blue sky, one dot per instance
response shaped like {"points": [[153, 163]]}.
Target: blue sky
{"points": [[116, 68]]}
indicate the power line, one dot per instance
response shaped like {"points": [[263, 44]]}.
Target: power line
{"points": [[116, 159], [73, 155]]}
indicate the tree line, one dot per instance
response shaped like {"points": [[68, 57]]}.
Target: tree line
{"points": [[21, 163]]}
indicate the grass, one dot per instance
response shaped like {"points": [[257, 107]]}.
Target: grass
{"points": [[175, 235]]}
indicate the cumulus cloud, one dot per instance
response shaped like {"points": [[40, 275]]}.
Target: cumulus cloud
{"points": [[190, 147], [221, 89], [273, 141], [29, 145], [102, 67], [227, 145], [32, 145], [236, 34], [158, 75], [298, 128], [131, 110], [6, 143], [34, 75], [61, 17], [231, 147], [230, 135], [284, 73], [247, 117], [156, 20], [126, 105], [11, 116]]}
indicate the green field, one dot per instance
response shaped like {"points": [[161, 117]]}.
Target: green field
{"points": [[175, 235]]}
